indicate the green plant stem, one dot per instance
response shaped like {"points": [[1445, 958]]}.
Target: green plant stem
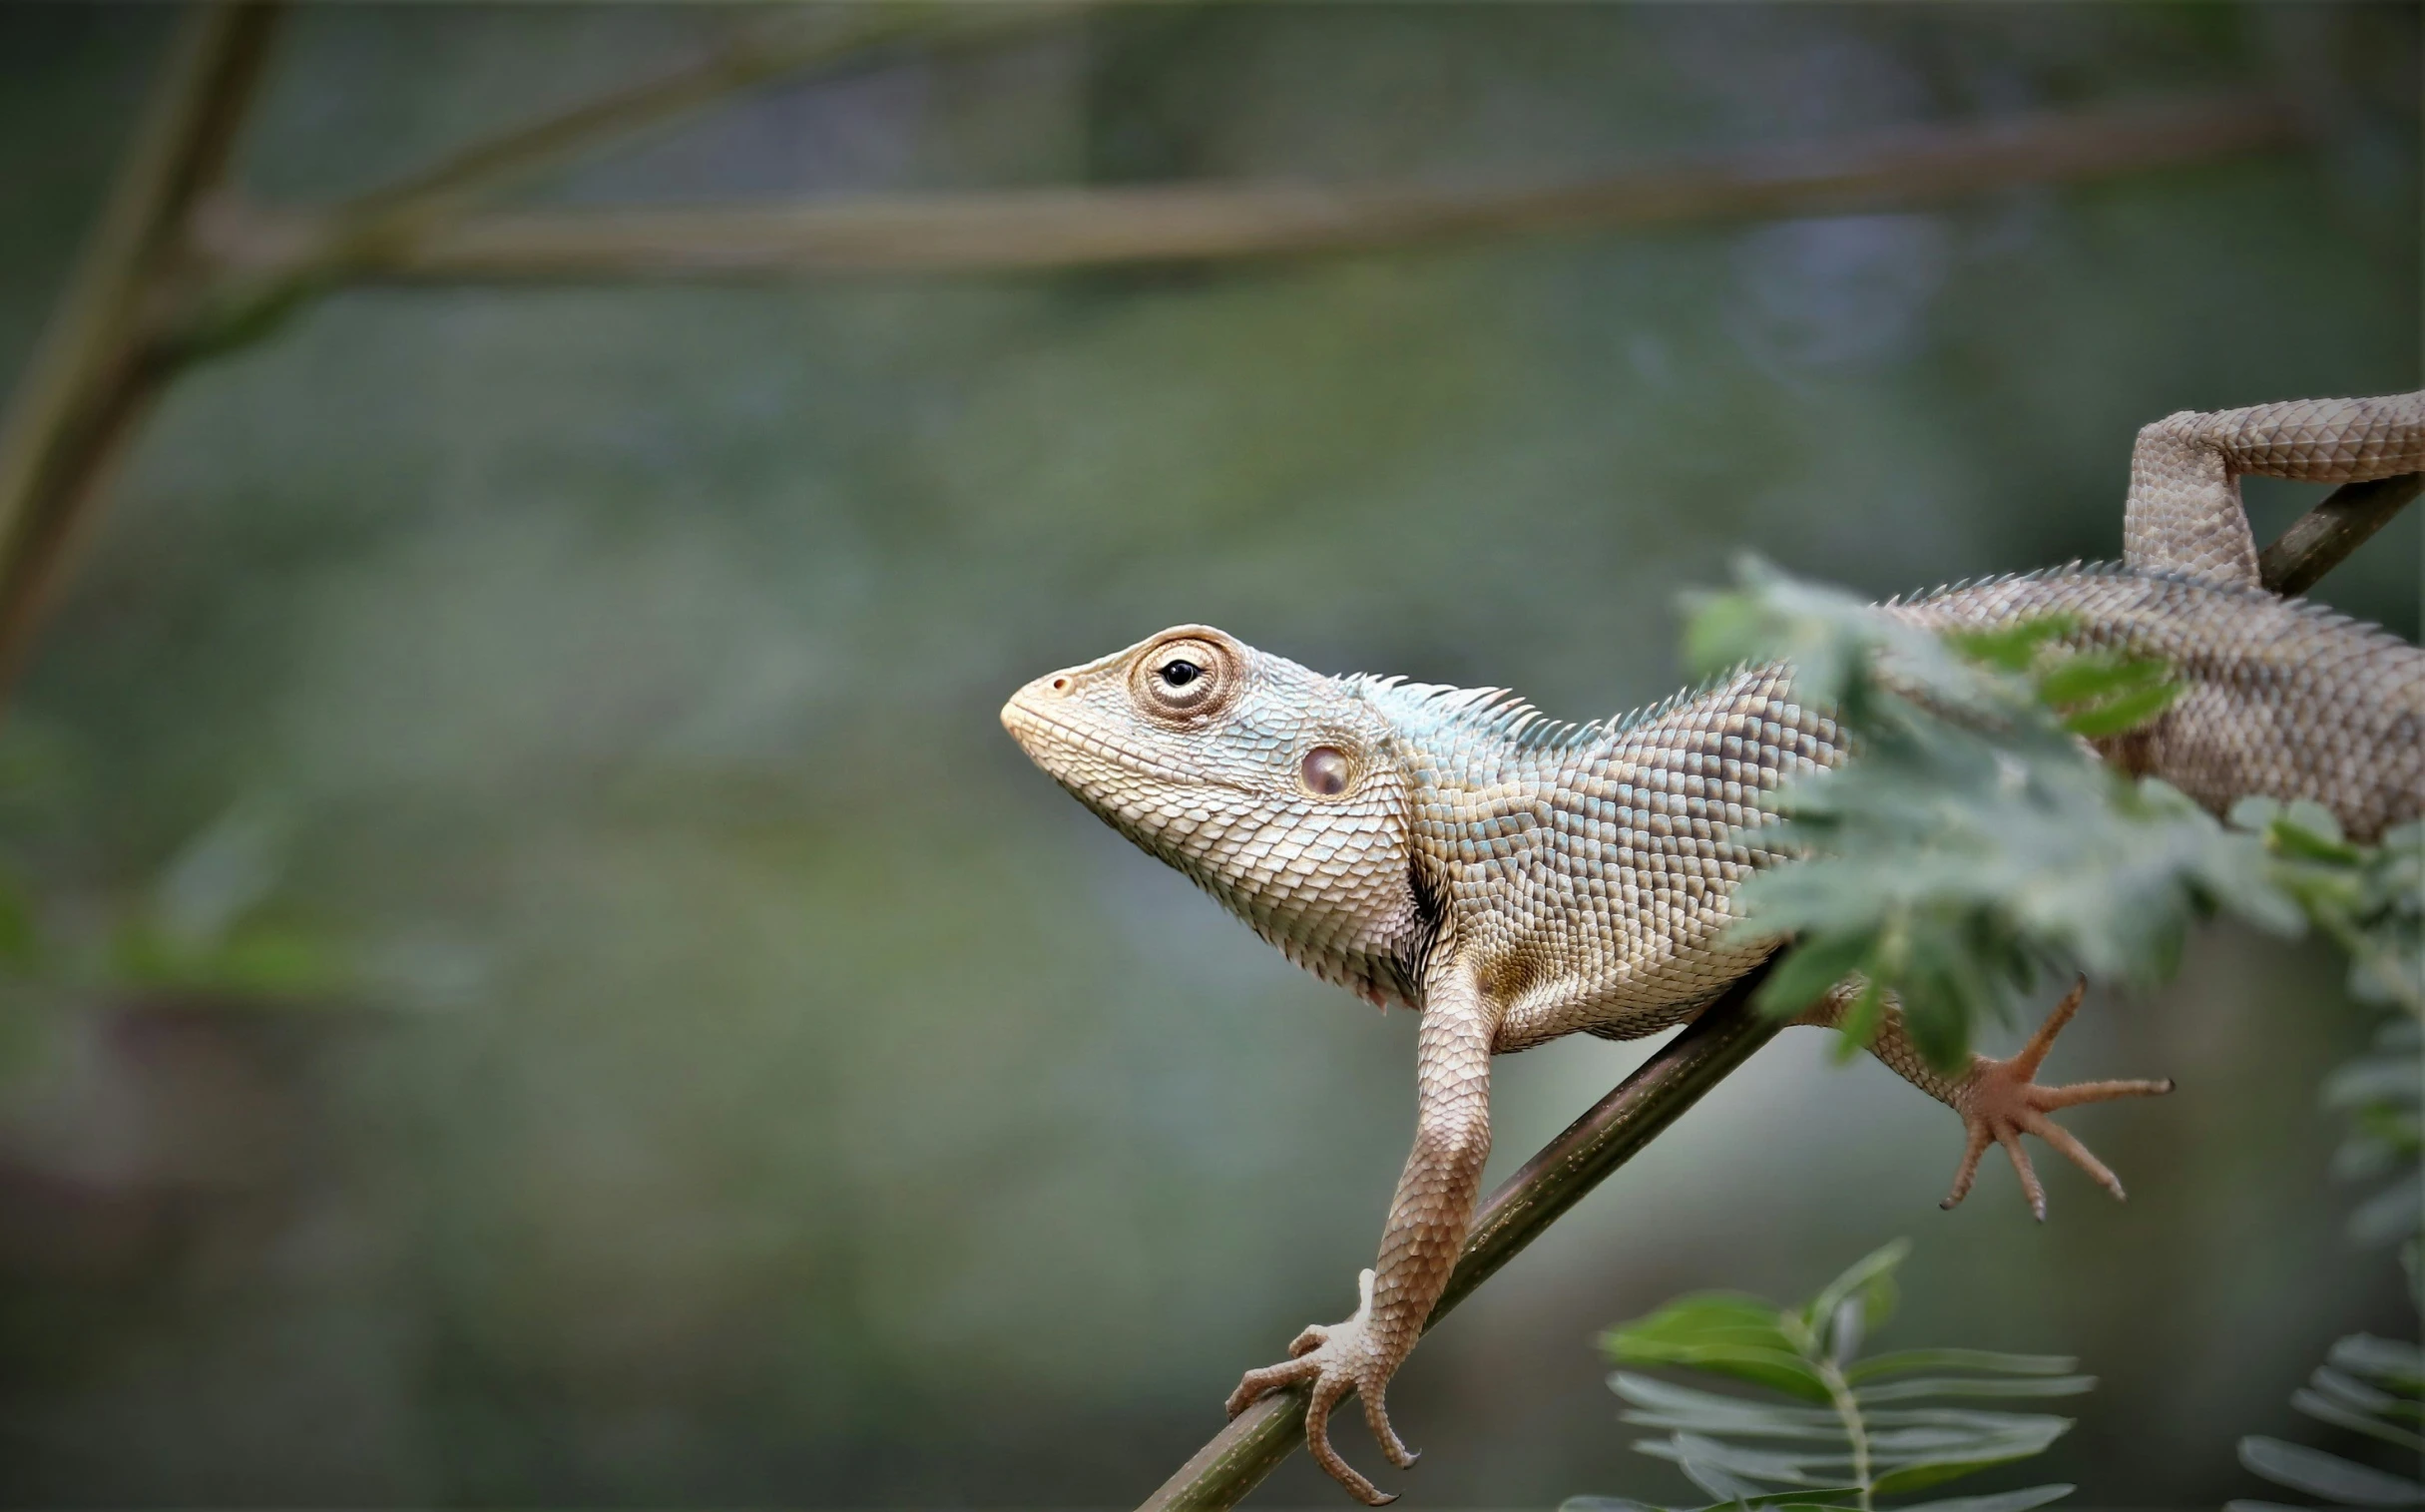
{"points": [[1809, 1338], [1857, 1432]]}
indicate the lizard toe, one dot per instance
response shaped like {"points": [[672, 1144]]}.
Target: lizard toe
{"points": [[1328, 1389], [1376, 1417], [1254, 1385]]}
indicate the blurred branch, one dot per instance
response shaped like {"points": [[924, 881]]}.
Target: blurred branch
{"points": [[1612, 1132], [2320, 539], [1076, 228], [486, 168], [268, 263], [149, 296], [101, 363]]}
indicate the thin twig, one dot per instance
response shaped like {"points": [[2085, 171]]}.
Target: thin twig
{"points": [[2324, 536], [1612, 1132], [434, 196], [1077, 228]]}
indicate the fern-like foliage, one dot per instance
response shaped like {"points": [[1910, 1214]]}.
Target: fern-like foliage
{"points": [[2368, 899], [2373, 1388], [1831, 1428], [2379, 1092], [2368, 1385]]}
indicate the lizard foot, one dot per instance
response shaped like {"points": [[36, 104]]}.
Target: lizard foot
{"points": [[1329, 1362], [2001, 1100]]}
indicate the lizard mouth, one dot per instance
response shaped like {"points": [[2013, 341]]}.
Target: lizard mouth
{"points": [[1064, 746], [1051, 742]]}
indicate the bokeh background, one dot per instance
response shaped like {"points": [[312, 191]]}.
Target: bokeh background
{"points": [[545, 983]]}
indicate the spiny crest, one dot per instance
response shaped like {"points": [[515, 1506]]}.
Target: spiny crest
{"points": [[2072, 569], [1498, 713]]}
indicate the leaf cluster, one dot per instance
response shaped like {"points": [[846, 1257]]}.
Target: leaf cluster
{"points": [[2369, 900], [2367, 1385], [2379, 1092], [1975, 843], [1832, 1428]]}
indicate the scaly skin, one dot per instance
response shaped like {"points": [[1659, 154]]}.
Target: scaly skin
{"points": [[1517, 880]]}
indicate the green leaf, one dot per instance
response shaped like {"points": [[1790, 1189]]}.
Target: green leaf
{"points": [[1810, 971], [2340, 1414], [1870, 1279], [1717, 1466], [1878, 1366], [2002, 1501], [2012, 648], [2383, 1359], [2392, 1214], [1936, 1472], [1664, 1404], [1957, 1386], [2328, 1475], [2123, 711], [2086, 676]]}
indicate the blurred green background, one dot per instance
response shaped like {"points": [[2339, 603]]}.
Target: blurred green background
{"points": [[670, 1048]]}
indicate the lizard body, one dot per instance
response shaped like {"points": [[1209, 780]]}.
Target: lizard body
{"points": [[1517, 880]]}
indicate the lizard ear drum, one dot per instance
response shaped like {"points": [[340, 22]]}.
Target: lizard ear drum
{"points": [[1325, 771], [1185, 678]]}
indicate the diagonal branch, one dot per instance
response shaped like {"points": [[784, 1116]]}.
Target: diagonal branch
{"points": [[1619, 1126], [452, 187], [101, 363]]}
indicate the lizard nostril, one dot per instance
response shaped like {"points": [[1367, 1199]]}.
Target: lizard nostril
{"points": [[1061, 685]]}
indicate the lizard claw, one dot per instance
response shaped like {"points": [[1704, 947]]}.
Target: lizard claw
{"points": [[1329, 1362], [2001, 1100]]}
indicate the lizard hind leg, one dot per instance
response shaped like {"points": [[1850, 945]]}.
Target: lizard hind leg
{"points": [[2183, 513], [2001, 1100]]}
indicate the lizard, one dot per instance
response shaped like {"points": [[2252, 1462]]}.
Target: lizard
{"points": [[1514, 881]]}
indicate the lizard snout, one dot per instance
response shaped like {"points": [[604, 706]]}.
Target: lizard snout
{"points": [[1026, 706]]}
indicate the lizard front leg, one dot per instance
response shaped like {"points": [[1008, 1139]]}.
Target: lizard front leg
{"points": [[1999, 1100], [1428, 1219], [2183, 513]]}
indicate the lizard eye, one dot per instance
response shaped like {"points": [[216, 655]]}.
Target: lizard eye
{"points": [[1183, 678], [1325, 771]]}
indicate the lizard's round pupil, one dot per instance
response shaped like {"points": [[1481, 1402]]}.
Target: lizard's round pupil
{"points": [[1325, 770], [1181, 674]]}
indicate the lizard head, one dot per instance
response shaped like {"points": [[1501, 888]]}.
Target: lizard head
{"points": [[1276, 789]]}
